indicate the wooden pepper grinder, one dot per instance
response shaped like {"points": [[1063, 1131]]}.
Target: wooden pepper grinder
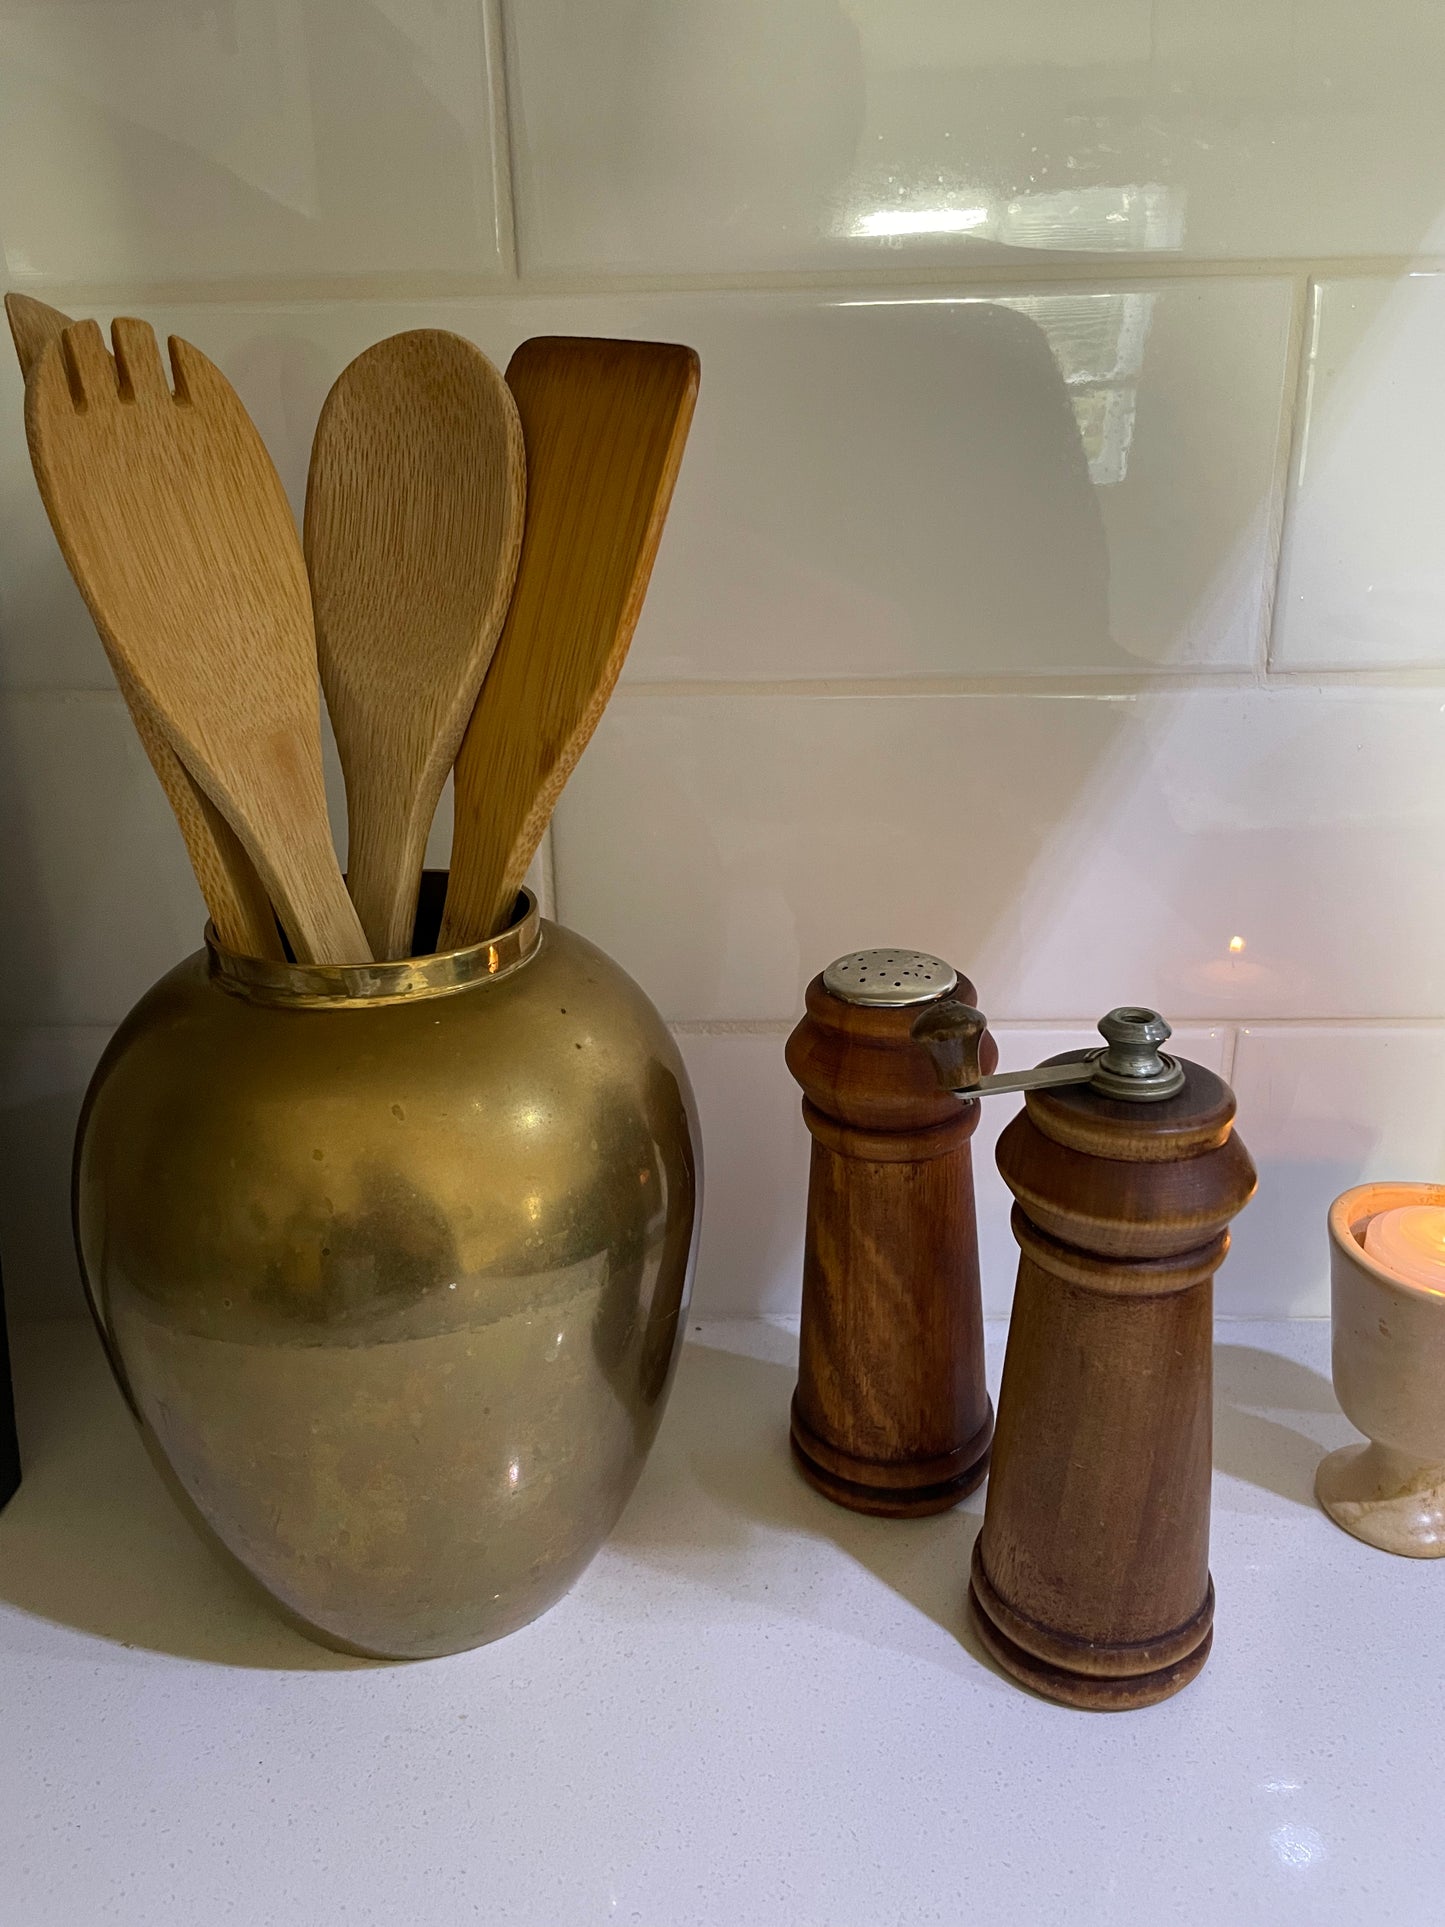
{"points": [[1090, 1578], [891, 1414]]}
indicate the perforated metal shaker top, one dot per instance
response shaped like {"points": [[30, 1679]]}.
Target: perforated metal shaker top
{"points": [[889, 977]]}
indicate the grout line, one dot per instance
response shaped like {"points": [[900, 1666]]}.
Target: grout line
{"points": [[1238, 1024], [549, 878], [732, 1026], [717, 1318], [1271, 1318], [15, 1025], [1022, 1026], [1303, 346], [1094, 685], [1424, 676], [1098, 685], [1231, 1051], [895, 280], [1333, 1023], [552, 871], [504, 176], [991, 271], [107, 694], [1025, 1024], [1309, 365], [1293, 407]]}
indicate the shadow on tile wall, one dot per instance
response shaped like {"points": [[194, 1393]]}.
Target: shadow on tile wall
{"points": [[931, 447], [152, 141]]}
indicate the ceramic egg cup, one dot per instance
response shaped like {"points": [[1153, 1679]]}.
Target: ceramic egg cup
{"points": [[1389, 1372]]}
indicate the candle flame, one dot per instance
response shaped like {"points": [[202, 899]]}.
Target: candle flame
{"points": [[1236, 944]]}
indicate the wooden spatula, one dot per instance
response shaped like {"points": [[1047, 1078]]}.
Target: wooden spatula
{"points": [[413, 528], [176, 528], [604, 424], [232, 890]]}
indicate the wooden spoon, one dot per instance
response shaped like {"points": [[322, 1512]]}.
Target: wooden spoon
{"points": [[175, 525], [604, 424], [413, 528], [232, 890]]}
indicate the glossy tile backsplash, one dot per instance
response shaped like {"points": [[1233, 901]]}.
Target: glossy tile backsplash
{"points": [[1055, 579], [657, 136]]}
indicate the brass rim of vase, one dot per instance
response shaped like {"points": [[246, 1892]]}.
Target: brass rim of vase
{"points": [[262, 980]]}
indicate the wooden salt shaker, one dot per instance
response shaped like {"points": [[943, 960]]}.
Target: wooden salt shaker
{"points": [[891, 1414], [1090, 1578]]}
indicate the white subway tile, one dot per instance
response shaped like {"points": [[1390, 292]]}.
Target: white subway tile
{"points": [[1070, 853], [43, 1075], [1056, 482], [98, 895], [156, 140], [1362, 582], [1066, 481], [46, 635], [1322, 1109], [679, 135], [755, 1175]]}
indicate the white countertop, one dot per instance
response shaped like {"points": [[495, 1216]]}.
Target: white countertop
{"points": [[753, 1709]]}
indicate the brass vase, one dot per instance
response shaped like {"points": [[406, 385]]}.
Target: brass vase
{"points": [[391, 1263]]}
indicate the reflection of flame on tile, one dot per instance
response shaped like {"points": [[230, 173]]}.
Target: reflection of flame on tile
{"points": [[921, 220], [1114, 219], [1234, 975], [1106, 428], [1138, 214], [1097, 338]]}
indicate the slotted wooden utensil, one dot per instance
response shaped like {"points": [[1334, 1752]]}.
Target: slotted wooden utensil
{"points": [[604, 424], [412, 532], [175, 526], [232, 890]]}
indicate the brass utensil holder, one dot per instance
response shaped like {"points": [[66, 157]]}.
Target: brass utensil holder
{"points": [[391, 1263]]}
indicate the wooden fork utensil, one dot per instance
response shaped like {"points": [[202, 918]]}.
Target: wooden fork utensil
{"points": [[233, 893], [174, 524]]}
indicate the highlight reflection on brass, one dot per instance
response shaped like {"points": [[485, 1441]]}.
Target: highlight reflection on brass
{"points": [[401, 1355]]}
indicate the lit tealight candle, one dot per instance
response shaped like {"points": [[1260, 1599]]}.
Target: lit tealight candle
{"points": [[1410, 1243]]}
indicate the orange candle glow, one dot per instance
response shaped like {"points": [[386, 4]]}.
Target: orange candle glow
{"points": [[1409, 1243]]}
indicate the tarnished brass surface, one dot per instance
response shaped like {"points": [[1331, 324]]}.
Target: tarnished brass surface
{"points": [[394, 1277]]}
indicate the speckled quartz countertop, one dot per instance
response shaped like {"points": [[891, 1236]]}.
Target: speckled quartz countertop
{"points": [[753, 1709]]}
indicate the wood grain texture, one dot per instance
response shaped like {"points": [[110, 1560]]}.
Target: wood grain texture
{"points": [[233, 893], [604, 424], [413, 529], [175, 526], [1091, 1574], [891, 1414]]}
